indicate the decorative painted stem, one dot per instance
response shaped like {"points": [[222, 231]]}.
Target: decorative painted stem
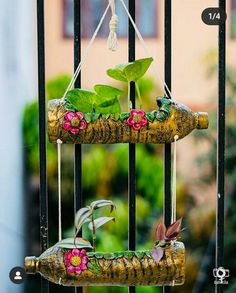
{"points": [[90, 128], [126, 268]]}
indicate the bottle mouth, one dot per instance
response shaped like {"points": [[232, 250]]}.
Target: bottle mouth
{"points": [[203, 120], [31, 264]]}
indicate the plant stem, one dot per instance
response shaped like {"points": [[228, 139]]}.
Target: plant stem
{"points": [[94, 233], [128, 96], [139, 95]]}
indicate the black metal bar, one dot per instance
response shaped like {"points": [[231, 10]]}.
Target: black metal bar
{"points": [[167, 151], [167, 147], [132, 151], [220, 147], [77, 148], [167, 172], [42, 137]]}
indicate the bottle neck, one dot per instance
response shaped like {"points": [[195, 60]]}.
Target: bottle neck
{"points": [[31, 264]]}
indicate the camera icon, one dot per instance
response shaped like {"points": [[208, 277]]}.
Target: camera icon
{"points": [[221, 273]]}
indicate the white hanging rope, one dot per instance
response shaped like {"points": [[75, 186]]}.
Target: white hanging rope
{"points": [[112, 38], [173, 209], [112, 44], [146, 48], [87, 51], [59, 143]]}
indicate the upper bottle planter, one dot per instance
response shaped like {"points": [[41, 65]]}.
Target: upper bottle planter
{"points": [[159, 126], [89, 117]]}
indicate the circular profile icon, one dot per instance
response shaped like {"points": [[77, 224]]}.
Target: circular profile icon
{"points": [[17, 275]]}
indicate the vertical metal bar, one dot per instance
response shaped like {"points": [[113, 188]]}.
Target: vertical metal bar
{"points": [[220, 147], [167, 147], [77, 147], [167, 183], [132, 179], [167, 151], [42, 137]]}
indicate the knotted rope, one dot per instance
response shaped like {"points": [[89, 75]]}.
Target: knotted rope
{"points": [[112, 38]]}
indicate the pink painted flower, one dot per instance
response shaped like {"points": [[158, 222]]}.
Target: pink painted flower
{"points": [[137, 119], [76, 261], [74, 122]]}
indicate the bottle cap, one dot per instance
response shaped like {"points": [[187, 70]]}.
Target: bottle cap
{"points": [[31, 263], [203, 120]]}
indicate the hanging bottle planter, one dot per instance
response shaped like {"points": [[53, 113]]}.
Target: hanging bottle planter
{"points": [[90, 117], [94, 117], [78, 267], [70, 262]]}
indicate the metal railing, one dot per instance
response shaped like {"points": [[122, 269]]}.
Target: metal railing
{"points": [[78, 200]]}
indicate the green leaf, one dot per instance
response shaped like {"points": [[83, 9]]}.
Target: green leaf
{"points": [[107, 103], [100, 222], [87, 117], [124, 116], [161, 116], [69, 107], [131, 71], [81, 99], [109, 255], [106, 92], [150, 117], [74, 242], [118, 72], [99, 255], [115, 116], [140, 254], [128, 254], [97, 204], [119, 254], [107, 99], [82, 217], [135, 70], [94, 267], [95, 117], [114, 107]]}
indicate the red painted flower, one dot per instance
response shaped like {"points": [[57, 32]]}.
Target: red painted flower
{"points": [[76, 261], [74, 122], [137, 119]]}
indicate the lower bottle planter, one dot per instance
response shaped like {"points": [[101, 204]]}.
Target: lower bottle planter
{"points": [[77, 267], [159, 126]]}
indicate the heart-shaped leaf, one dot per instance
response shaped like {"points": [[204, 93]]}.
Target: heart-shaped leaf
{"points": [[74, 242], [135, 70], [102, 203], [117, 72], [131, 71], [81, 100], [100, 222], [157, 254]]}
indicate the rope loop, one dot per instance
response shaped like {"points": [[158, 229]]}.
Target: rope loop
{"points": [[112, 42]]}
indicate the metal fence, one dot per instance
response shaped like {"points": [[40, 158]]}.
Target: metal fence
{"points": [[78, 199]]}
